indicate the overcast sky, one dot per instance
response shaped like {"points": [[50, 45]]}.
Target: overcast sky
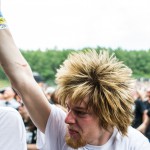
{"points": [[79, 23]]}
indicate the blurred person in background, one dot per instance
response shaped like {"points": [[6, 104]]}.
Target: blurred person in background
{"points": [[145, 125], [147, 104], [48, 92], [148, 113], [1, 96], [54, 100], [139, 110], [9, 98], [38, 78], [31, 130], [12, 130]]}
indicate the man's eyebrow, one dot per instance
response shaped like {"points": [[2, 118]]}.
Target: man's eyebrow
{"points": [[79, 108]]}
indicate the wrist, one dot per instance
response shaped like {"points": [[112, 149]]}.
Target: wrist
{"points": [[3, 23]]}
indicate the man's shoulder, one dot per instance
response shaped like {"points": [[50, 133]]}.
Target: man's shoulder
{"points": [[132, 131], [9, 114], [134, 139], [7, 109], [10, 119], [134, 134]]}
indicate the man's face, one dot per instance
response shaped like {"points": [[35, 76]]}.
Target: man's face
{"points": [[83, 125], [8, 93]]}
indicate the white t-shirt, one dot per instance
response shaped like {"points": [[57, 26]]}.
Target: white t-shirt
{"points": [[53, 139], [12, 130], [11, 103]]}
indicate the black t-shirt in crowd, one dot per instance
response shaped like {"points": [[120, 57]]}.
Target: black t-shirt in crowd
{"points": [[147, 133], [148, 113], [138, 113]]}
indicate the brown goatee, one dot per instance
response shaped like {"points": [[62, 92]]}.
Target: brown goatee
{"points": [[75, 143]]}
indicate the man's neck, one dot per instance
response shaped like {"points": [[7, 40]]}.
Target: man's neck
{"points": [[104, 137]]}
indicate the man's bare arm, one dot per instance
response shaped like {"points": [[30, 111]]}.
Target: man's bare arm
{"points": [[20, 75]]}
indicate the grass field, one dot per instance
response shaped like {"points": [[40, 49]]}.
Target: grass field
{"points": [[4, 83]]}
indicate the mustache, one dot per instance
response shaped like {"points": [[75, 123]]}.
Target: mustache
{"points": [[72, 128]]}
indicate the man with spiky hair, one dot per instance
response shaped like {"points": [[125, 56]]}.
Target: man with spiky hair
{"points": [[94, 87]]}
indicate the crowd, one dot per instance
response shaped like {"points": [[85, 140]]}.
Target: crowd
{"points": [[9, 98], [141, 108]]}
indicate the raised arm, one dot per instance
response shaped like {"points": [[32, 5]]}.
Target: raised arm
{"points": [[142, 128], [20, 75]]}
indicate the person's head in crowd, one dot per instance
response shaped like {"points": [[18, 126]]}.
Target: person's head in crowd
{"points": [[48, 92], [54, 97], [54, 100], [148, 94], [8, 94], [96, 89], [1, 96], [9, 98], [38, 78]]}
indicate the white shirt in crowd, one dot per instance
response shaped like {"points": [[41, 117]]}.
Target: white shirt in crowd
{"points": [[12, 130], [53, 139], [11, 103]]}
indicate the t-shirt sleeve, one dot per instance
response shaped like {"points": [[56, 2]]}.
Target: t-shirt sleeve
{"points": [[55, 130], [137, 141]]}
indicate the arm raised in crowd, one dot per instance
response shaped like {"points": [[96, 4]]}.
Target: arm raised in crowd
{"points": [[20, 75], [142, 128]]}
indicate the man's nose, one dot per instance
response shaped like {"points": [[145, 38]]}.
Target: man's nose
{"points": [[70, 118]]}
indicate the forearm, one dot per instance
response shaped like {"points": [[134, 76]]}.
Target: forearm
{"points": [[14, 65], [21, 78], [142, 128], [20, 75], [11, 58]]}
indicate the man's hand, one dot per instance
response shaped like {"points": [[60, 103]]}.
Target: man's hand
{"points": [[3, 23]]}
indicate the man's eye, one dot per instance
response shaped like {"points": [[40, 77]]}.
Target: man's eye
{"points": [[81, 113]]}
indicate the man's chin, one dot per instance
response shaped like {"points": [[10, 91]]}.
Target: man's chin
{"points": [[75, 142]]}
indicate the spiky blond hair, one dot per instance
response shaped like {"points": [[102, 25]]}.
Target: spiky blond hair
{"points": [[105, 80]]}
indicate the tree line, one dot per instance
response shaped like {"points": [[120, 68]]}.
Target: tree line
{"points": [[47, 62]]}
